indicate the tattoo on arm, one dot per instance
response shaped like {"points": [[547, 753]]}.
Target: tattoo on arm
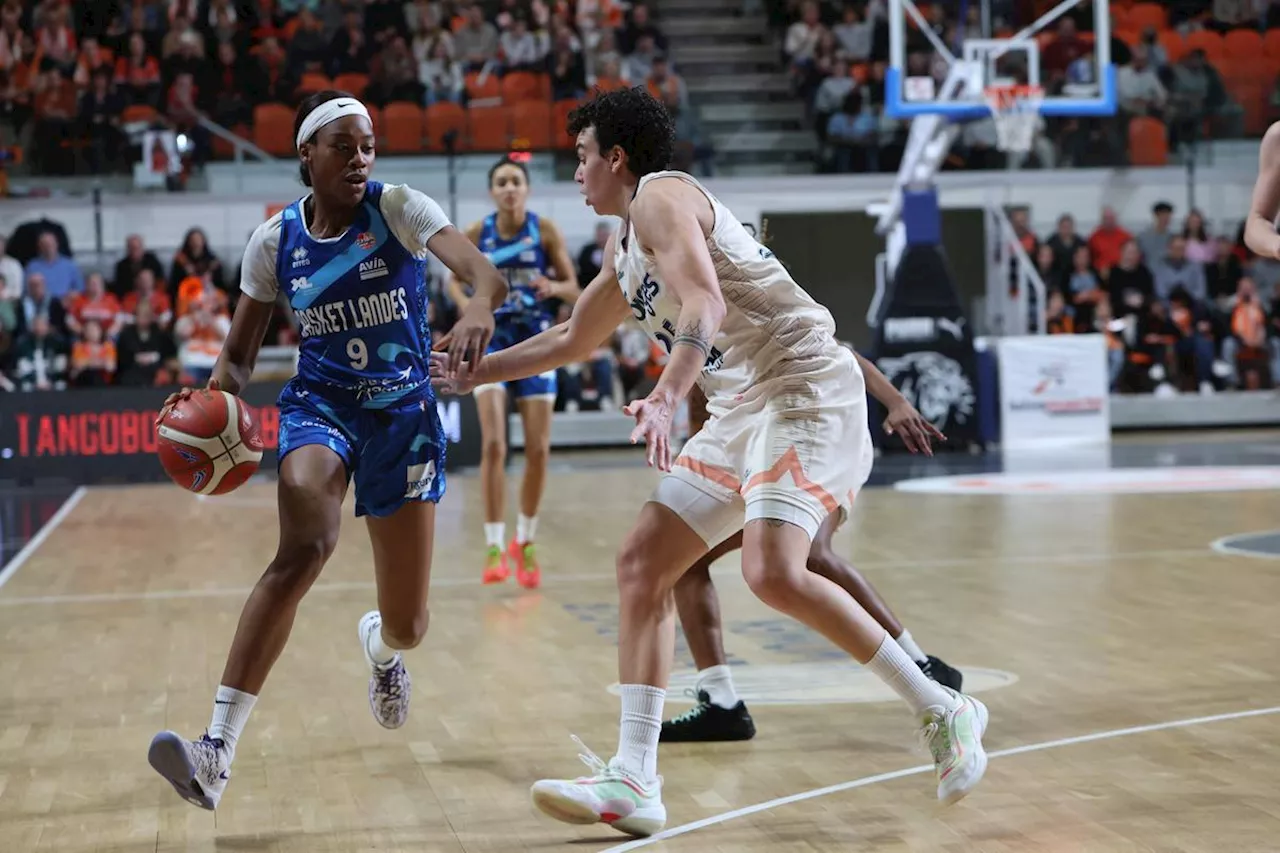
{"points": [[692, 334]]}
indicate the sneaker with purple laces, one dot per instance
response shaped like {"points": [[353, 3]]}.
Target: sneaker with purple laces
{"points": [[198, 770], [389, 685]]}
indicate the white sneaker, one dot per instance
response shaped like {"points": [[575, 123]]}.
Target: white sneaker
{"points": [[955, 738], [390, 687], [610, 795], [197, 770]]}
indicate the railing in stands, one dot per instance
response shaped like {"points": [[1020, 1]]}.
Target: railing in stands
{"points": [[241, 147]]}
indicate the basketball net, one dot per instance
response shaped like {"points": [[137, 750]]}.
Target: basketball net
{"points": [[1016, 111]]}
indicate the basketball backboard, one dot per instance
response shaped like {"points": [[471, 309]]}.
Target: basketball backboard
{"points": [[1001, 55]]}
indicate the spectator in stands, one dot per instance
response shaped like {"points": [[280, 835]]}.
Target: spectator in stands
{"points": [[520, 49], [61, 275], [95, 305], [476, 41], [831, 94], [1107, 241], [144, 291], [1194, 349], [1020, 219], [591, 258], [639, 63], [184, 116], [15, 103], [272, 78], [308, 49], [138, 74], [1175, 272], [1065, 48], [440, 75], [1065, 242], [1130, 284], [99, 123], [1138, 87], [568, 73], [1154, 240], [41, 358], [196, 259], [609, 75], [1058, 318], [853, 137], [55, 115], [854, 34], [1223, 274], [39, 304], [223, 24], [692, 144], [55, 41], [93, 58], [349, 50], [137, 257], [394, 75], [1246, 350], [147, 353], [1200, 249], [93, 358], [11, 271], [1154, 339], [1044, 265], [200, 335], [1196, 95], [231, 80], [180, 30], [632, 347], [195, 291], [639, 23], [1084, 287], [801, 44], [1104, 324], [604, 50]]}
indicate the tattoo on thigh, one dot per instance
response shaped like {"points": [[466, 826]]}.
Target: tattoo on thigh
{"points": [[774, 522]]}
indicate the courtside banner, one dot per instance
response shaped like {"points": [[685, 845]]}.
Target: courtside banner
{"points": [[1053, 391], [106, 435]]}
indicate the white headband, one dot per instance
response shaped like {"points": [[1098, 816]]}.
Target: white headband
{"points": [[327, 112]]}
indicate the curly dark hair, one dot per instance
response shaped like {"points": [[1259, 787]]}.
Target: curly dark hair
{"points": [[305, 109], [633, 120]]}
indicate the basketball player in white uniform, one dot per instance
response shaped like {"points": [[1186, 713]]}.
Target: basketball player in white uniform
{"points": [[1260, 227], [787, 445]]}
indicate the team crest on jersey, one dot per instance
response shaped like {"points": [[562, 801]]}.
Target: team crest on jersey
{"points": [[365, 240], [373, 268], [300, 257], [642, 302], [420, 478]]}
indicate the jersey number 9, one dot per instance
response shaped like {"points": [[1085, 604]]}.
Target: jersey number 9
{"points": [[358, 353]]}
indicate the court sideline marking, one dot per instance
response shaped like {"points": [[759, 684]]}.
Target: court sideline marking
{"points": [[11, 568], [866, 781], [598, 577], [1223, 546]]}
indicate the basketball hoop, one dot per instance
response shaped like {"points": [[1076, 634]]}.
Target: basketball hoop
{"points": [[1016, 111]]}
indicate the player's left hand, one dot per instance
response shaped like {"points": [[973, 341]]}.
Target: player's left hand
{"points": [[916, 432], [545, 287], [654, 415], [467, 341], [438, 370]]}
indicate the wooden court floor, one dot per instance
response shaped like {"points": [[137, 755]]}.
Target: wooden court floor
{"points": [[1106, 621]]}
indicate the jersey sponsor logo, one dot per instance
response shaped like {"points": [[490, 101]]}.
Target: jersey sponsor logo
{"points": [[373, 268], [642, 302], [300, 258], [528, 257], [363, 312], [420, 478], [300, 283]]}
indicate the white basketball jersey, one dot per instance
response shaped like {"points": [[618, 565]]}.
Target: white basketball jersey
{"points": [[771, 329]]}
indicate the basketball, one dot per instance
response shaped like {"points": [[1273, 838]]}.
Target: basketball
{"points": [[209, 443]]}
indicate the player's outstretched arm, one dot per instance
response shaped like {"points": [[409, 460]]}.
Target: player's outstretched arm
{"points": [[470, 335], [597, 314], [1260, 228], [903, 420]]}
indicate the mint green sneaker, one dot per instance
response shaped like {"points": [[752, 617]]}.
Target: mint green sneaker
{"points": [[610, 795], [954, 736]]}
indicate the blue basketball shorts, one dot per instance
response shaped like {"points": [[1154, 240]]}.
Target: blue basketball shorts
{"points": [[396, 455], [507, 334]]}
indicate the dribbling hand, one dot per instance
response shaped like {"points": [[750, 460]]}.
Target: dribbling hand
{"points": [[183, 394], [914, 429], [654, 415]]}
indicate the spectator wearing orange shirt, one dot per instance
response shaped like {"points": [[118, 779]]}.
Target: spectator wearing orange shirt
{"points": [[196, 258], [1058, 319], [94, 305], [1106, 241], [138, 73], [200, 335], [195, 291], [93, 56], [144, 290], [93, 359], [55, 113], [55, 41], [1249, 338]]}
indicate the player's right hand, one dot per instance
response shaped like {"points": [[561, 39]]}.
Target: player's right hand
{"points": [[916, 432], [180, 395], [445, 382]]}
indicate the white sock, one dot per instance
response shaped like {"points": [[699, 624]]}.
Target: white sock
{"points": [[901, 673], [230, 712], [909, 646], [379, 651], [494, 534], [718, 682], [526, 527], [641, 726]]}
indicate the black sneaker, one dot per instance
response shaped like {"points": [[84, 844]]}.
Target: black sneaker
{"points": [[939, 671], [705, 722]]}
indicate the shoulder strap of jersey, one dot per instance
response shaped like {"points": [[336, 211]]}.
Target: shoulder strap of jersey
{"points": [[290, 229]]}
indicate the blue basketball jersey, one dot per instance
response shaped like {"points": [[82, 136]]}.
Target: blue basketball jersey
{"points": [[522, 260], [361, 304]]}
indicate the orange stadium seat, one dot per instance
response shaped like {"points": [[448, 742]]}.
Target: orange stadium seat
{"points": [[442, 118], [1175, 46], [483, 87], [1207, 40], [403, 128], [531, 128], [490, 128], [1242, 44], [559, 121], [1143, 15], [224, 150], [1271, 43], [273, 129], [1148, 142], [524, 86], [353, 83], [138, 112], [312, 82]]}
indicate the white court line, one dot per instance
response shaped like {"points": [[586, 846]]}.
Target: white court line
{"points": [[552, 579], [11, 567], [1222, 547], [927, 768]]}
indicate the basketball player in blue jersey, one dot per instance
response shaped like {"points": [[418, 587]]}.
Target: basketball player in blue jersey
{"points": [[531, 252], [351, 257]]}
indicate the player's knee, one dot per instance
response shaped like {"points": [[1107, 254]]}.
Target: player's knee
{"points": [[822, 563], [494, 449], [407, 631], [636, 585], [298, 562], [775, 583], [536, 454]]}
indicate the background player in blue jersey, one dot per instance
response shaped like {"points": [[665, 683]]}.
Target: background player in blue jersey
{"points": [[530, 251], [350, 256]]}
